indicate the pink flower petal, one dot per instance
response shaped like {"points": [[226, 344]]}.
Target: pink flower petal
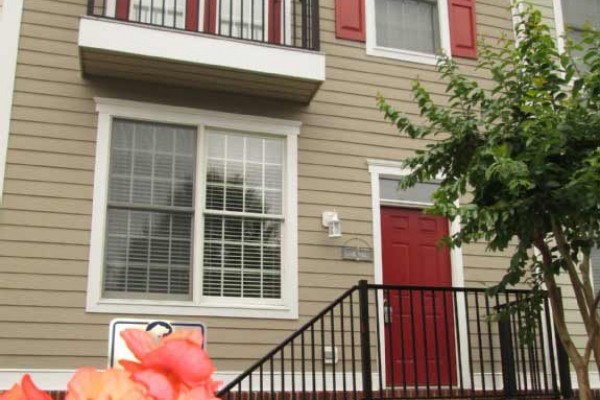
{"points": [[31, 391], [188, 362], [193, 335], [138, 342], [158, 385], [15, 393], [131, 366], [198, 393], [111, 384]]}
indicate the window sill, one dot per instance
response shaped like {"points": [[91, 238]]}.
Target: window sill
{"points": [[210, 308], [403, 55]]}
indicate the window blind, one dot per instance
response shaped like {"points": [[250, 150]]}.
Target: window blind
{"points": [[150, 211], [243, 216], [408, 25]]}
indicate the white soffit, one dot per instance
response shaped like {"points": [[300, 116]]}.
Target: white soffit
{"points": [[194, 48]]}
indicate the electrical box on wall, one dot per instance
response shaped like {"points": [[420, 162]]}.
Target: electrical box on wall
{"points": [[330, 355]]}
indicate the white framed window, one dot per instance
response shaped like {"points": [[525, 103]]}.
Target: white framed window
{"points": [[408, 30], [573, 16], [167, 13], [194, 213]]}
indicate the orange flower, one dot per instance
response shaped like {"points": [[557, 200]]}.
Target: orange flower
{"points": [[25, 391], [175, 368], [88, 383]]}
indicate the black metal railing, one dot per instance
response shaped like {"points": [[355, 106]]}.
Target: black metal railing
{"points": [[291, 23], [392, 342]]}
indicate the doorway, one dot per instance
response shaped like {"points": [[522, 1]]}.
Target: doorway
{"points": [[419, 323]]}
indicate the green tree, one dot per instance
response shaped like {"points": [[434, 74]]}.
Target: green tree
{"points": [[525, 151]]}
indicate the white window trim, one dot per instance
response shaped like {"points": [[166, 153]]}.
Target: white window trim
{"points": [[10, 24], [287, 306], [559, 22], [407, 55]]}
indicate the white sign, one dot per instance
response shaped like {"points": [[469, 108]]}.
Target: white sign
{"points": [[117, 349]]}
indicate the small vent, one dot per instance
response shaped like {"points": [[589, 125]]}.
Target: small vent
{"points": [[330, 355]]}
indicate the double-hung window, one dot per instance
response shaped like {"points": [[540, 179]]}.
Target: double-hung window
{"points": [[194, 213], [411, 30], [574, 16]]}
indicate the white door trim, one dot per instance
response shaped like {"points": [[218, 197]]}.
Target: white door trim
{"points": [[378, 168]]}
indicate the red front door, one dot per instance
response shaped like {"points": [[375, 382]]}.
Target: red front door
{"points": [[419, 330]]}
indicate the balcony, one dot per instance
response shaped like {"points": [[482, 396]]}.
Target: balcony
{"points": [[267, 48]]}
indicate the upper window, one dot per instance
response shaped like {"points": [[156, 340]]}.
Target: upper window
{"points": [[574, 16], [193, 215], [412, 30], [408, 25], [579, 14], [261, 20]]}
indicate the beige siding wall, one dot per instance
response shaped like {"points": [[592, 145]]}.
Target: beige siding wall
{"points": [[46, 214]]}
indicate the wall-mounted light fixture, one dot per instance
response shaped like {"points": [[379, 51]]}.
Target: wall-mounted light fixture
{"points": [[332, 222]]}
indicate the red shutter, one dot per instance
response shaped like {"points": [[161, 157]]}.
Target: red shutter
{"points": [[191, 16], [274, 21], [122, 10], [350, 20], [210, 16], [463, 35]]}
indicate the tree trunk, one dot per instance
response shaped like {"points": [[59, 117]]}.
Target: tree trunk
{"points": [[583, 382], [597, 354]]}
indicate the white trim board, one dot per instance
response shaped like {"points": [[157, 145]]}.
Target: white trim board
{"points": [[378, 168], [284, 308], [559, 23], [57, 379], [219, 52], [10, 26]]}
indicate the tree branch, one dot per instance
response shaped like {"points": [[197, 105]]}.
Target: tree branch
{"points": [[584, 268], [559, 320], [572, 271], [589, 346]]}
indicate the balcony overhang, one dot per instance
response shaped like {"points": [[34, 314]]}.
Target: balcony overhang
{"points": [[144, 52]]}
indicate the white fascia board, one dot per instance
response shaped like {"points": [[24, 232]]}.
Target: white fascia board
{"points": [[10, 24], [195, 48]]}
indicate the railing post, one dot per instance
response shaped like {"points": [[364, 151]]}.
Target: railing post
{"points": [[509, 376], [304, 23], [316, 45], [564, 372], [365, 339]]}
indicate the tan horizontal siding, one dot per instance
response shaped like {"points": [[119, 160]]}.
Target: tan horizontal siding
{"points": [[46, 211]]}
